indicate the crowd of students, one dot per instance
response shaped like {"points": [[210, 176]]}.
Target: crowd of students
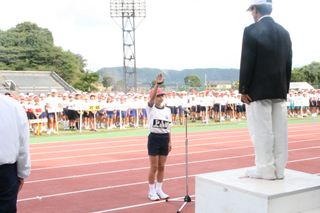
{"points": [[80, 110]]}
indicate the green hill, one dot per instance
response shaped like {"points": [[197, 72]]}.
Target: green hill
{"points": [[174, 77]]}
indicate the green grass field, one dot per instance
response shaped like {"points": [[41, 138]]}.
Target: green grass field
{"points": [[130, 132]]}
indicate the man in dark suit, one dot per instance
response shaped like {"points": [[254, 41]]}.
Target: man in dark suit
{"points": [[265, 74]]}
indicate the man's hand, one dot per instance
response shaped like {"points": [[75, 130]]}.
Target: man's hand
{"points": [[246, 99], [21, 180]]}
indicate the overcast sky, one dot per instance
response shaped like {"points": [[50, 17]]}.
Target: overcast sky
{"points": [[176, 34]]}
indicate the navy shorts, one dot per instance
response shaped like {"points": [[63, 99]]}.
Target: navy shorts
{"points": [[174, 110], [158, 144], [91, 114], [51, 115], [180, 110], [202, 108], [110, 114], [313, 103], [144, 113], [123, 114], [198, 108], [133, 112]]}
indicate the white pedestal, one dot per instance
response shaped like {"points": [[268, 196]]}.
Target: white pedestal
{"points": [[227, 192]]}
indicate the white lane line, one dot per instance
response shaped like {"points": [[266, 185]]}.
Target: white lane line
{"points": [[142, 158], [116, 153], [305, 159], [36, 146], [145, 182], [135, 151], [144, 144], [95, 189], [141, 168], [88, 175], [84, 143], [130, 145], [168, 165], [142, 204]]}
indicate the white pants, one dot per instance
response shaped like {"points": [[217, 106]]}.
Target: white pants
{"points": [[268, 127]]}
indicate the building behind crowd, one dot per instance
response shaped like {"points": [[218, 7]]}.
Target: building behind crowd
{"points": [[35, 82]]}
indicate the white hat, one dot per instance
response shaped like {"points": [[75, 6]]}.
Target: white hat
{"points": [[259, 2], [54, 90]]}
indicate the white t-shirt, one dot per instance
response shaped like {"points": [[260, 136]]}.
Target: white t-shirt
{"points": [[14, 133], [78, 104], [110, 106], [159, 120], [54, 104], [123, 106], [170, 101]]}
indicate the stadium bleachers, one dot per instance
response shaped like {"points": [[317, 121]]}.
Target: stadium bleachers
{"points": [[32, 82]]}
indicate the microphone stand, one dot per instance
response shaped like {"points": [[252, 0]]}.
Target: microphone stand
{"points": [[187, 198]]}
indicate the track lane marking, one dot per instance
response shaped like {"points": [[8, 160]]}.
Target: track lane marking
{"points": [[145, 182], [123, 139], [142, 168], [134, 151], [143, 144], [138, 158]]}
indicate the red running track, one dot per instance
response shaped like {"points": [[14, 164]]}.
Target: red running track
{"points": [[110, 175]]}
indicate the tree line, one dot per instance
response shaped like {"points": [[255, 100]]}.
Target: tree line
{"points": [[309, 73], [29, 47]]}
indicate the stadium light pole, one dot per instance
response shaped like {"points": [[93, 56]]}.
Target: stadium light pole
{"points": [[128, 11]]}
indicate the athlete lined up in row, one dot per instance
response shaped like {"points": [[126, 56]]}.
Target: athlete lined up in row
{"points": [[103, 110]]}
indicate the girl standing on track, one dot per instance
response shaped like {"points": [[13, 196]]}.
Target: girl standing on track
{"points": [[159, 140]]}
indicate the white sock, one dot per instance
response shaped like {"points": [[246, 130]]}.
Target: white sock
{"points": [[152, 189], [158, 187]]}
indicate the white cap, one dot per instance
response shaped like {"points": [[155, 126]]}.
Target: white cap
{"points": [[54, 90], [259, 2]]}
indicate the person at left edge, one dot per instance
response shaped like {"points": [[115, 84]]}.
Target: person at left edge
{"points": [[159, 140], [15, 162]]}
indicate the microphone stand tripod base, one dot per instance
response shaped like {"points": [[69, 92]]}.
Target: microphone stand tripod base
{"points": [[186, 200]]}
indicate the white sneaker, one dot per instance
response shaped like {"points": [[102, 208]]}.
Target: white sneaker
{"points": [[49, 131], [153, 197], [162, 195]]}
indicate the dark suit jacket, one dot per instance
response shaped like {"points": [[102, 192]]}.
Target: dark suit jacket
{"points": [[266, 61]]}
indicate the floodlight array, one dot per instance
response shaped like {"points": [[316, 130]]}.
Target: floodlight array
{"points": [[127, 8]]}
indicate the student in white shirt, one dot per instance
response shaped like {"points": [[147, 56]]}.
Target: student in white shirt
{"points": [[53, 106], [159, 140], [143, 113], [110, 112]]}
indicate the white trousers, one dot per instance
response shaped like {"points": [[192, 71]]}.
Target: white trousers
{"points": [[268, 127]]}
